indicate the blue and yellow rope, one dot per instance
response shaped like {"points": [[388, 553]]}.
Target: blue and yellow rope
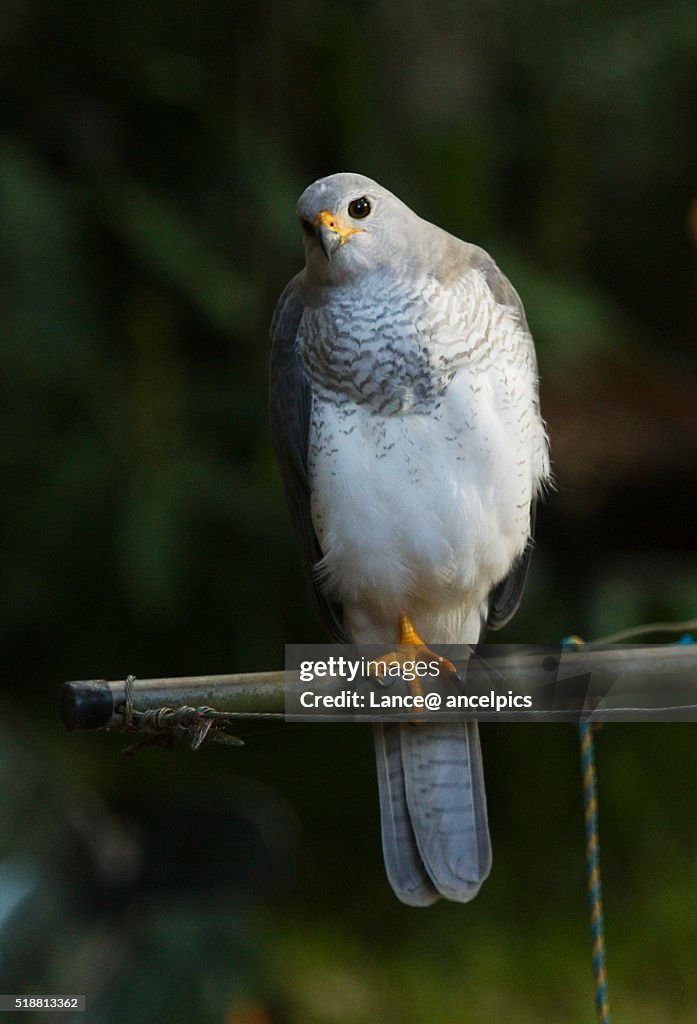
{"points": [[590, 814], [595, 893]]}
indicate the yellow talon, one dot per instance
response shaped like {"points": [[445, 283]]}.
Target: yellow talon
{"points": [[416, 650]]}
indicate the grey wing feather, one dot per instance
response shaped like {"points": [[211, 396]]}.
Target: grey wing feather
{"points": [[290, 404], [500, 287], [506, 595]]}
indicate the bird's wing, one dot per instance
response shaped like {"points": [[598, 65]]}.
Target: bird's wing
{"points": [[505, 597], [290, 403], [502, 291]]}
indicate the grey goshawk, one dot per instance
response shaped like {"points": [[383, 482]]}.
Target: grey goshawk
{"points": [[405, 420]]}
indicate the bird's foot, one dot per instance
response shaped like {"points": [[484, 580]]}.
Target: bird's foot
{"points": [[412, 649]]}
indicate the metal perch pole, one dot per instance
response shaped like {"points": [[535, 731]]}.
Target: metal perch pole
{"points": [[632, 683]]}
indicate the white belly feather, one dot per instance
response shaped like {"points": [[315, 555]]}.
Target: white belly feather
{"points": [[421, 513]]}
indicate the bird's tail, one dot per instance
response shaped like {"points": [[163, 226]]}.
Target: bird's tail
{"points": [[435, 835]]}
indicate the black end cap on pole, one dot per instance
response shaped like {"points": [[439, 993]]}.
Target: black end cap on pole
{"points": [[86, 705]]}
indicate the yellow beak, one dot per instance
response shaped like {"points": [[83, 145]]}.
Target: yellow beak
{"points": [[331, 233]]}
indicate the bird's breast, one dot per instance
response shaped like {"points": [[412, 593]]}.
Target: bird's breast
{"points": [[426, 508], [383, 349]]}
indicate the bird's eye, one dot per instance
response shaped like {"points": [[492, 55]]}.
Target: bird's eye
{"points": [[359, 208], [307, 227]]}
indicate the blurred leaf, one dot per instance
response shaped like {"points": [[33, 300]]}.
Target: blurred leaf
{"points": [[49, 329], [170, 244]]}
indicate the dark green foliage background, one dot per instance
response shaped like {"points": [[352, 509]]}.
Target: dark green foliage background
{"points": [[150, 158]]}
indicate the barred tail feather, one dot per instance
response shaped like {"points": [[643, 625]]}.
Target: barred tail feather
{"points": [[433, 810], [405, 870]]}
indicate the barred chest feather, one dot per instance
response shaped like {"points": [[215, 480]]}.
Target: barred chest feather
{"points": [[382, 344]]}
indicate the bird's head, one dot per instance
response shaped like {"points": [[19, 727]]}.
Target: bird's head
{"points": [[351, 225]]}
